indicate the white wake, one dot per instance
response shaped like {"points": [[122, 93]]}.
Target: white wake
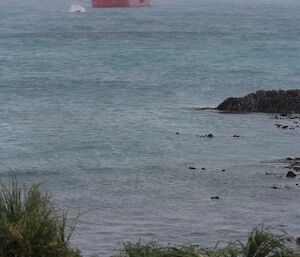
{"points": [[77, 8]]}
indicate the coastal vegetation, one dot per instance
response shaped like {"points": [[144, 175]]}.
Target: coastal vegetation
{"points": [[261, 243], [30, 226]]}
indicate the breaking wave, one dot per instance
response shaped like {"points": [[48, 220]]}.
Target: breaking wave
{"points": [[77, 8]]}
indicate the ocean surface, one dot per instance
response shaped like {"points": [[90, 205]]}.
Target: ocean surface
{"points": [[90, 104]]}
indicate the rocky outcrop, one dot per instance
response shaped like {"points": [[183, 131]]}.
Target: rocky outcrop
{"points": [[282, 101], [291, 174]]}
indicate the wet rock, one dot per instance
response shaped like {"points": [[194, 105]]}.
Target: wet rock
{"points": [[284, 127], [298, 241], [236, 135], [223, 170], [268, 174], [291, 174], [208, 135], [275, 187], [282, 101], [203, 168], [177, 133], [289, 159], [296, 168], [192, 168], [215, 198]]}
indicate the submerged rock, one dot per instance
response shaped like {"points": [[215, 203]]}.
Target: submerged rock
{"points": [[215, 198], [296, 168], [291, 174], [282, 101], [276, 187], [208, 135]]}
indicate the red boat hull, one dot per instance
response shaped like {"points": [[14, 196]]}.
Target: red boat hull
{"points": [[120, 3]]}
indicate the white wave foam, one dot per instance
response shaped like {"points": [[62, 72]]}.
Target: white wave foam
{"points": [[76, 8]]}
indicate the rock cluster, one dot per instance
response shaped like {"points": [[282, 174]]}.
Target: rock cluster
{"points": [[291, 120], [282, 101], [210, 135], [294, 166]]}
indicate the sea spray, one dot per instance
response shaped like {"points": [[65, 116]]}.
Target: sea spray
{"points": [[77, 8]]}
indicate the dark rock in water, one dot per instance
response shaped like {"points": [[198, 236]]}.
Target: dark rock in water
{"points": [[215, 198], [296, 168], [291, 174], [264, 101], [208, 135], [236, 135], [223, 170], [289, 159], [177, 133], [298, 241], [203, 168], [275, 187], [192, 168], [284, 127]]}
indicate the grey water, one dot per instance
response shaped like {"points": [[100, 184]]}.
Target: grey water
{"points": [[90, 104]]}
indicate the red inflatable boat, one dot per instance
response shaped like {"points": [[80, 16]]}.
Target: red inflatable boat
{"points": [[120, 3]]}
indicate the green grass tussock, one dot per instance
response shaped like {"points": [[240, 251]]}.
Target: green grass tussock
{"points": [[30, 226], [261, 243]]}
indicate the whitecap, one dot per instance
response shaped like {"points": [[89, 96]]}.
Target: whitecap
{"points": [[76, 8]]}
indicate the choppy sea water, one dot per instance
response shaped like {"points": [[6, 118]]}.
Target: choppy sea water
{"points": [[90, 104]]}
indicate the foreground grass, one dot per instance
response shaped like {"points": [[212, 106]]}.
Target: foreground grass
{"points": [[31, 227], [261, 243]]}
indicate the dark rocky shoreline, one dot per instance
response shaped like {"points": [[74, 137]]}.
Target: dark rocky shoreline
{"points": [[282, 101]]}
